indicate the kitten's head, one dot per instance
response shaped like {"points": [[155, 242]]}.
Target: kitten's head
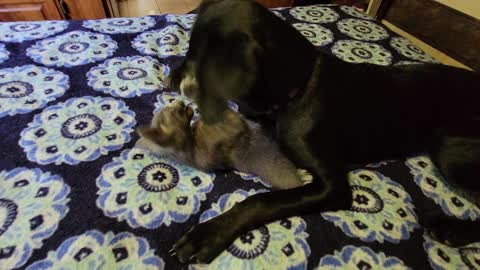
{"points": [[170, 128]]}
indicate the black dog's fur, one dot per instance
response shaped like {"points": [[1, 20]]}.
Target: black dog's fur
{"points": [[343, 114]]}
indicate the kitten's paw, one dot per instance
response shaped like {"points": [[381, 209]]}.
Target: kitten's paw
{"points": [[304, 176]]}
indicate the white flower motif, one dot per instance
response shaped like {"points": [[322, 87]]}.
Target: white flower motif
{"points": [[252, 177], [186, 20], [120, 25], [32, 203], [351, 257], [278, 245], [148, 190], [382, 209], [443, 257], [169, 41], [72, 49], [80, 129], [22, 31], [95, 250], [406, 48], [3, 53], [354, 51], [432, 184], [128, 77], [316, 34], [362, 29], [27, 88], [354, 12], [314, 14]]}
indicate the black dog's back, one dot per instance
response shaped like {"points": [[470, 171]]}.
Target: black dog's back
{"points": [[368, 112], [382, 113]]}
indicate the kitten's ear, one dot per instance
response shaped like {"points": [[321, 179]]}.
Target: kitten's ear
{"points": [[156, 135]]}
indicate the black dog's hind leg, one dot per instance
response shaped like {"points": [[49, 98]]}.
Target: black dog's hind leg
{"points": [[329, 191], [458, 159]]}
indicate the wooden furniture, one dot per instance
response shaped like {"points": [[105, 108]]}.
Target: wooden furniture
{"points": [[29, 10], [85, 9], [446, 29], [37, 10], [373, 6]]}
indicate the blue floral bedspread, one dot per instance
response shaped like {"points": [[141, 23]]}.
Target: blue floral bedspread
{"points": [[75, 194]]}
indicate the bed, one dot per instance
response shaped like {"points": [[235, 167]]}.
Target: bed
{"points": [[76, 194]]}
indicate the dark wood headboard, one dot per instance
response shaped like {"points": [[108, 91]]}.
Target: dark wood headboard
{"points": [[444, 28]]}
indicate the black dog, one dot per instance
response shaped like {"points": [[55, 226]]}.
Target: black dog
{"points": [[324, 122]]}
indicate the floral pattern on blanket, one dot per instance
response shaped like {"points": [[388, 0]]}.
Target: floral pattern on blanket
{"points": [[75, 193], [280, 245]]}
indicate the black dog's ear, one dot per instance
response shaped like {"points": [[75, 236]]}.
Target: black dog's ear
{"points": [[230, 67], [175, 77], [228, 71]]}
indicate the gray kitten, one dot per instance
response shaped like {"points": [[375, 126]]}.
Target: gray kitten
{"points": [[233, 142]]}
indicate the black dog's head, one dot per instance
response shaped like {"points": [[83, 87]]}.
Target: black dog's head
{"points": [[239, 50]]}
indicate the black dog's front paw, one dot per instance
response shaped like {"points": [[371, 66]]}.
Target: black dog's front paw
{"points": [[202, 243]]}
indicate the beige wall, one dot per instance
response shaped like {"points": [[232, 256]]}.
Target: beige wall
{"points": [[470, 7]]}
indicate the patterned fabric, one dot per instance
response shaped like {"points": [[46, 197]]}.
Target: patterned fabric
{"points": [[314, 14], [351, 257], [120, 25], [252, 177], [362, 29], [315, 33], [3, 53], [362, 52], [169, 41], [72, 49], [381, 210], [185, 21], [352, 11], [442, 257], [432, 184], [32, 203], [27, 88], [22, 31], [81, 129], [281, 243], [406, 48], [95, 250], [76, 194], [128, 77], [153, 190]]}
